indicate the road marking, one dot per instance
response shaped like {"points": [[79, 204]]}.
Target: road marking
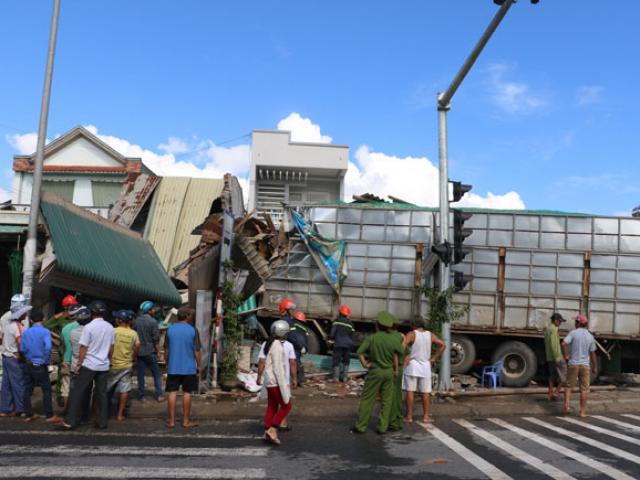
{"points": [[80, 433], [572, 454], [589, 441], [628, 426], [134, 451], [629, 415], [604, 431], [515, 452], [478, 462], [131, 472]]}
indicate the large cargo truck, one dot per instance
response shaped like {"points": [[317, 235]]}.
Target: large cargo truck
{"points": [[524, 264]]}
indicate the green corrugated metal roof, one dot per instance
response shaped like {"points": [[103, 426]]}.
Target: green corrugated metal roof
{"points": [[97, 250], [179, 205]]}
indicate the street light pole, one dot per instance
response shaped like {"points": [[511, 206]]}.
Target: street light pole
{"points": [[32, 233], [444, 100]]}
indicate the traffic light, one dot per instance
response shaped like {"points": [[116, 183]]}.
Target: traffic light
{"points": [[460, 234], [443, 251], [460, 280], [459, 189]]}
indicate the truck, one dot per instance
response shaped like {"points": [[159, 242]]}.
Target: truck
{"points": [[524, 265]]}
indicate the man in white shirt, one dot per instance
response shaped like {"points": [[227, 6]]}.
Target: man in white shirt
{"points": [[96, 343], [13, 382], [579, 348]]}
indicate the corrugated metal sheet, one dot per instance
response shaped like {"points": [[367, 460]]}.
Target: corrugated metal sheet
{"points": [[100, 253], [179, 205], [133, 196]]}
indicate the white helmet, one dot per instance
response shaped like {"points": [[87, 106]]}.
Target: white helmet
{"points": [[17, 301], [279, 328]]}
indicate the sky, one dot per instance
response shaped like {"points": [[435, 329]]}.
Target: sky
{"points": [[547, 118]]}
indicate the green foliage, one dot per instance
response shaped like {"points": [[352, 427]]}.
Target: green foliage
{"points": [[233, 331]]}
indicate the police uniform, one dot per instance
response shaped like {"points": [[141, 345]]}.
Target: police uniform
{"points": [[298, 337], [396, 422], [380, 350], [342, 334]]}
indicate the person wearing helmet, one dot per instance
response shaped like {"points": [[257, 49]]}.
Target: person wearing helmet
{"points": [[379, 354], [17, 301], [341, 336], [277, 371], [579, 348], [65, 342], [81, 315], [149, 335], [125, 349], [13, 381], [298, 337], [96, 343]]}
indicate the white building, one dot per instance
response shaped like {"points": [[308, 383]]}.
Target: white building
{"points": [[79, 167], [289, 172]]}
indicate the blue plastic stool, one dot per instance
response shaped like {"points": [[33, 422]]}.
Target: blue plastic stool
{"points": [[494, 372]]}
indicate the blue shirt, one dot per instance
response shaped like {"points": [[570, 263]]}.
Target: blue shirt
{"points": [[182, 343], [36, 344]]}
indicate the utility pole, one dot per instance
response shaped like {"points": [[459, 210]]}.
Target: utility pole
{"points": [[444, 106], [28, 266]]}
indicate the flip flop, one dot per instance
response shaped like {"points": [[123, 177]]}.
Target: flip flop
{"points": [[272, 440]]}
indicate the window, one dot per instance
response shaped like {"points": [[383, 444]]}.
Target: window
{"points": [[63, 189], [105, 193]]}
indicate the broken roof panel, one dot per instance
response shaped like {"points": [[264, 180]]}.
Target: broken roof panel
{"points": [[96, 256], [132, 199], [179, 205]]}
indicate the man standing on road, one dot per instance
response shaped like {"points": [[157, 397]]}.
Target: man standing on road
{"points": [[82, 315], [125, 349], [379, 355], [35, 348], [396, 418], [342, 337], [417, 372], [555, 360], [96, 344], [579, 349], [149, 335], [17, 301], [182, 356], [64, 376], [299, 338], [12, 393]]}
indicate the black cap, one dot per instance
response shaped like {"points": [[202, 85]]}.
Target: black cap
{"points": [[557, 316], [98, 307]]}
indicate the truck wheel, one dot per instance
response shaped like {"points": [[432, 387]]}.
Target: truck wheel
{"points": [[520, 363], [314, 343], [463, 353]]}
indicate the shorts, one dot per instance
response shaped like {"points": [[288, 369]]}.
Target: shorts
{"points": [[416, 384], [189, 383], [120, 379], [580, 373], [557, 373], [65, 378]]}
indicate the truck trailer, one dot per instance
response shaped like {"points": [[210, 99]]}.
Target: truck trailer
{"points": [[524, 265]]}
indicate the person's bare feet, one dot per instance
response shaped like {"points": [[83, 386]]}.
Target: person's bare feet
{"points": [[427, 419], [408, 419], [583, 414], [32, 418], [54, 419], [120, 418], [566, 411], [169, 424], [7, 415], [189, 425]]}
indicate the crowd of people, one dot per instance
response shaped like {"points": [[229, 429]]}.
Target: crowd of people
{"points": [[97, 358]]}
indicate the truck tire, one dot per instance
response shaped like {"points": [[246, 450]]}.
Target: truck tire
{"points": [[314, 343], [463, 353], [520, 363]]}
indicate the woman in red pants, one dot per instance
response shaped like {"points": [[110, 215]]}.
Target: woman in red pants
{"points": [[277, 362]]}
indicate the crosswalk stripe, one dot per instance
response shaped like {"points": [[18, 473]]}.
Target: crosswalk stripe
{"points": [[546, 442], [212, 436], [515, 452], [131, 472], [604, 431], [478, 462], [591, 442], [135, 451], [629, 415], [627, 426]]}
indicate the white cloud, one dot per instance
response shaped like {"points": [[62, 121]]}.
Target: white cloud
{"points": [[413, 179], [589, 94], [24, 144], [174, 145], [302, 129], [512, 97]]}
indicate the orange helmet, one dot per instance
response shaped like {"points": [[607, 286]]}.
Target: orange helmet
{"points": [[298, 315], [286, 304], [344, 310], [68, 301]]}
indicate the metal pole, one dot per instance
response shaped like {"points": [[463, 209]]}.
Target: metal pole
{"points": [[443, 103], [30, 246], [444, 382]]}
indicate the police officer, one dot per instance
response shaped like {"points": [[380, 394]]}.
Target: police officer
{"points": [[396, 420], [342, 337], [299, 338], [379, 355]]}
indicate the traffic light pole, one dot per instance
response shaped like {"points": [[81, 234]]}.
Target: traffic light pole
{"points": [[444, 100], [28, 265]]}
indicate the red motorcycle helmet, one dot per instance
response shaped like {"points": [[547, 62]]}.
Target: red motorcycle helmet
{"points": [[68, 301], [345, 311], [300, 316], [286, 304]]}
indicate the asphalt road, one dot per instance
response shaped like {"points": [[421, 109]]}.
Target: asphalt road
{"points": [[457, 448]]}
